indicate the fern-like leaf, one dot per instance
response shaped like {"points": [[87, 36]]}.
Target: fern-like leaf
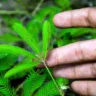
{"points": [[32, 83], [3, 55], [49, 88], [46, 32], [26, 36], [5, 88], [7, 61]]}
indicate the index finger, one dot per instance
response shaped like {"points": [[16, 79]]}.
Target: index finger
{"points": [[72, 53], [80, 17]]}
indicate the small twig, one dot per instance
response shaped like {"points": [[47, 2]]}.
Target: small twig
{"points": [[20, 2], [3, 12], [37, 7], [19, 87]]}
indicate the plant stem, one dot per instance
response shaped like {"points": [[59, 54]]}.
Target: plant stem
{"points": [[61, 93], [43, 61], [12, 12], [37, 7]]}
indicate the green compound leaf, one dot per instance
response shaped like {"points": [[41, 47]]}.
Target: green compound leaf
{"points": [[49, 88], [21, 67], [62, 82], [8, 38], [26, 36], [46, 32], [7, 61], [32, 83], [5, 88], [3, 55], [14, 50]]}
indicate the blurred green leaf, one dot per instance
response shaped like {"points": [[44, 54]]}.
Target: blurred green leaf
{"points": [[26, 36], [46, 34], [21, 67], [2, 55], [9, 21], [7, 61], [9, 38], [34, 27], [65, 4]]}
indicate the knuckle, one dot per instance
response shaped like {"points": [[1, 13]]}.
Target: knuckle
{"points": [[91, 89], [91, 19], [74, 72], [57, 57], [80, 53], [72, 19], [87, 88], [93, 69]]}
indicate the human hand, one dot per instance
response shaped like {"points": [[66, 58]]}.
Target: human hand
{"points": [[77, 60]]}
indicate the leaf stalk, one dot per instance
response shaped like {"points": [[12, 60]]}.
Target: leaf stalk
{"points": [[60, 91]]}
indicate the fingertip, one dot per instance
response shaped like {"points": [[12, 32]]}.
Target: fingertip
{"points": [[57, 20], [76, 87], [73, 85], [79, 87], [50, 60]]}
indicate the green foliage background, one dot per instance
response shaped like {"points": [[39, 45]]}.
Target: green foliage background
{"points": [[22, 76]]}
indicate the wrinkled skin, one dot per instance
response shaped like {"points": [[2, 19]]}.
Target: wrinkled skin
{"points": [[78, 60]]}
